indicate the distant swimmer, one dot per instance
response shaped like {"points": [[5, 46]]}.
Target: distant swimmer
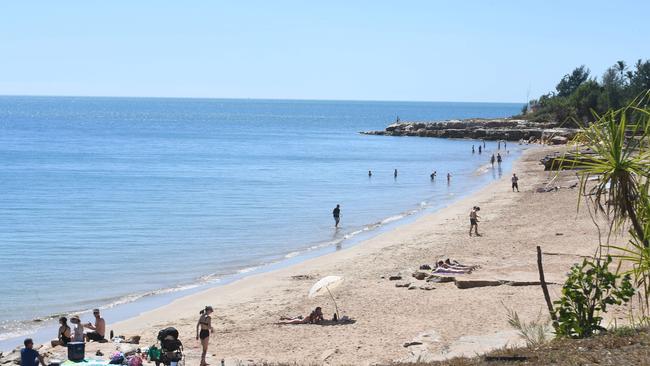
{"points": [[337, 215], [369, 173], [492, 160], [473, 151], [479, 149], [395, 173], [499, 158]]}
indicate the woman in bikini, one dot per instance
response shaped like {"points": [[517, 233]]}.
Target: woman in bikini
{"points": [[63, 337], [203, 330]]}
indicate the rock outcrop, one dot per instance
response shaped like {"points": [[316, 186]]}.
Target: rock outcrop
{"points": [[486, 129]]}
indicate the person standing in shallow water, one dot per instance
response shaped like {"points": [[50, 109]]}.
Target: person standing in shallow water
{"points": [[203, 330], [369, 173], [473, 149], [336, 213], [499, 158], [492, 160], [448, 178], [479, 149], [395, 174]]}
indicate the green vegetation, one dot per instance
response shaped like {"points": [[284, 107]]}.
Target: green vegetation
{"points": [[587, 292], [578, 95], [619, 155]]}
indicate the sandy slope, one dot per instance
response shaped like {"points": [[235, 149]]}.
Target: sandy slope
{"points": [[448, 320]]}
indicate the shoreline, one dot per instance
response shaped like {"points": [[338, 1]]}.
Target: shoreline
{"points": [[442, 320], [132, 305]]}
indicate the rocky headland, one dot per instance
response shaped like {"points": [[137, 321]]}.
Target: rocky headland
{"points": [[487, 129]]}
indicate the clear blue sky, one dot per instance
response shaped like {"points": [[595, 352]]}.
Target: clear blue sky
{"points": [[364, 50]]}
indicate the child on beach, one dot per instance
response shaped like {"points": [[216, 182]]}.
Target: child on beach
{"points": [[473, 220]]}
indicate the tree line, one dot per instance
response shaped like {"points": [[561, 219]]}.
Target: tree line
{"points": [[579, 95]]}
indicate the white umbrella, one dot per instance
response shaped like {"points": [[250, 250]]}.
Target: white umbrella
{"points": [[324, 285]]}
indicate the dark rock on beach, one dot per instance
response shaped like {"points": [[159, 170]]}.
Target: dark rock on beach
{"points": [[487, 129]]}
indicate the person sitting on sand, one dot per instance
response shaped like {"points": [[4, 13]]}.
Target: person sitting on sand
{"points": [[64, 333], [29, 356], [78, 330], [315, 317], [99, 329]]}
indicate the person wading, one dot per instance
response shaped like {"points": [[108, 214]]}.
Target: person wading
{"points": [[336, 213]]}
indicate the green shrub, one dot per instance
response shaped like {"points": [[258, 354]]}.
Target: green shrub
{"points": [[587, 292]]}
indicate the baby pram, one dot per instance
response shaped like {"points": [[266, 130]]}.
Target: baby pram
{"points": [[171, 348]]}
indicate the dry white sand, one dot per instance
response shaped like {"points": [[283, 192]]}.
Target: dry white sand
{"points": [[447, 320]]}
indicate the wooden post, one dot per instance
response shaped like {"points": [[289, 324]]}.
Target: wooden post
{"points": [[542, 282]]}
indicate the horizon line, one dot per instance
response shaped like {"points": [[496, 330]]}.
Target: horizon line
{"points": [[247, 98]]}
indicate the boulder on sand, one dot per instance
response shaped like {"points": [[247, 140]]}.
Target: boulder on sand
{"points": [[465, 284]]}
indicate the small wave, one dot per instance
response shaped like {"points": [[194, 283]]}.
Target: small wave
{"points": [[292, 254], [393, 218]]}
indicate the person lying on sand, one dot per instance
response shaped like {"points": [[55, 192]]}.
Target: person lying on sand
{"points": [[442, 267], [456, 264], [315, 317]]}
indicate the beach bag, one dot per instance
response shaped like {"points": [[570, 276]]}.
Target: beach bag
{"points": [[135, 361], [154, 353], [117, 358]]}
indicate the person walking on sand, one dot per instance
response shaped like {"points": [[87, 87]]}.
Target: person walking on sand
{"points": [[337, 215], [473, 220], [99, 329], [492, 160], [515, 182], [203, 330], [499, 159]]}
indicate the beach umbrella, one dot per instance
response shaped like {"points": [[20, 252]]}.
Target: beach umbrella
{"points": [[324, 285]]}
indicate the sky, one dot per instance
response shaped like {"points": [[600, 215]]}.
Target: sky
{"points": [[475, 51]]}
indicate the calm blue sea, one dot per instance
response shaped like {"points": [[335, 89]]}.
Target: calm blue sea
{"points": [[103, 200]]}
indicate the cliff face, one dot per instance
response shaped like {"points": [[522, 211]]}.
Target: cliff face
{"points": [[487, 129]]}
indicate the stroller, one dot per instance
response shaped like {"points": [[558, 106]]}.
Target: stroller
{"points": [[171, 348]]}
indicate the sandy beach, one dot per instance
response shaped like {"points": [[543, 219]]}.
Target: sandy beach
{"points": [[446, 320]]}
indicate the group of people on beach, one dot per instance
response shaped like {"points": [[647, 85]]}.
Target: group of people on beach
{"points": [[66, 334], [76, 333]]}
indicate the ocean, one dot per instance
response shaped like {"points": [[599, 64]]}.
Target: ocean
{"points": [[104, 201]]}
